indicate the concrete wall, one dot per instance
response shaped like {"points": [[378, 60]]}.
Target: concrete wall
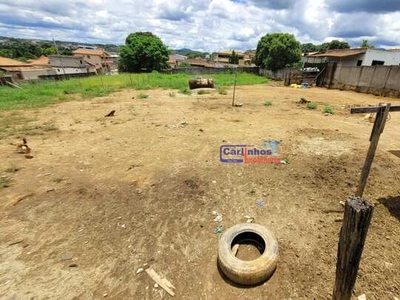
{"points": [[201, 70], [34, 74], [377, 80]]}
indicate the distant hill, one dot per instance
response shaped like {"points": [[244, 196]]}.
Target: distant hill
{"points": [[189, 53]]}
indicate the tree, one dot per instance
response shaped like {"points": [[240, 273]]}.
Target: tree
{"points": [[277, 50], [234, 58], [308, 47], [366, 44], [336, 44], [143, 51]]}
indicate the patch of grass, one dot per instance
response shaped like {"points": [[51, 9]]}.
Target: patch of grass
{"points": [[203, 92], [328, 110], [4, 182], [267, 103], [12, 169], [222, 90], [44, 93], [57, 180], [185, 91], [142, 96], [312, 105]]}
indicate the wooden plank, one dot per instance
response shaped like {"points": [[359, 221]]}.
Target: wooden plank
{"points": [[378, 129], [164, 283], [357, 217], [371, 109]]}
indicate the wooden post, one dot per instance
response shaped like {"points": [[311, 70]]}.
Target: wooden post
{"points": [[234, 91], [357, 217], [379, 125]]}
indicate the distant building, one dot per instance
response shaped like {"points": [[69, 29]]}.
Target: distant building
{"points": [[174, 59], [356, 57], [23, 71], [70, 65], [224, 57], [97, 57]]}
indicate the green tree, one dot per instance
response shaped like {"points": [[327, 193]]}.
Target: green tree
{"points": [[277, 50], [143, 50], [308, 47], [366, 44], [336, 44], [234, 58]]}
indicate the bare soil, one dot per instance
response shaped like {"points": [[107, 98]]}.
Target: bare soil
{"points": [[102, 197]]}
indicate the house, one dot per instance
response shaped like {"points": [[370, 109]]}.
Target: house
{"points": [[23, 71], [71, 65], [97, 57], [224, 57], [357, 57], [174, 59]]}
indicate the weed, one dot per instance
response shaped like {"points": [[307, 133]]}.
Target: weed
{"points": [[185, 91], [12, 169], [57, 180], [222, 90], [312, 105], [328, 110], [142, 96], [267, 103], [203, 92], [4, 182], [172, 94]]}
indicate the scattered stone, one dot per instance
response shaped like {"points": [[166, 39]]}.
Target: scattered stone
{"points": [[156, 285], [201, 130], [65, 257], [342, 203], [260, 203], [338, 219], [218, 218], [139, 270], [214, 181], [105, 295], [73, 265], [362, 297]]}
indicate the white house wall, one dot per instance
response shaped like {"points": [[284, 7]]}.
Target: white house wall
{"points": [[390, 58]]}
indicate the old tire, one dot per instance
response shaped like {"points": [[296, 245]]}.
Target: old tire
{"points": [[248, 272]]}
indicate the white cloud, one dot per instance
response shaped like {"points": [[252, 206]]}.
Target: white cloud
{"points": [[206, 25]]}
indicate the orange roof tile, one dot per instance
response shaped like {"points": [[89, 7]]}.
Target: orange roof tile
{"points": [[8, 62], [96, 52], [41, 61]]}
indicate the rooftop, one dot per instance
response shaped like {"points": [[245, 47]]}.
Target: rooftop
{"points": [[339, 53], [8, 62], [96, 52]]}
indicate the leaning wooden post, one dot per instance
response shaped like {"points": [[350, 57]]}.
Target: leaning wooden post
{"points": [[357, 217], [379, 125]]}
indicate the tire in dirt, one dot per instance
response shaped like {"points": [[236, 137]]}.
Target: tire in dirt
{"points": [[251, 272]]}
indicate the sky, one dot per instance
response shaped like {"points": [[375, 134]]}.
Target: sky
{"points": [[204, 25]]}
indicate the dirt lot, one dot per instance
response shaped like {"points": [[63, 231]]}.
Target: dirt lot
{"points": [[109, 195]]}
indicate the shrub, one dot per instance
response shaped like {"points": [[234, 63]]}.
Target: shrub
{"points": [[312, 105], [328, 110], [267, 103], [4, 182], [222, 90]]}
